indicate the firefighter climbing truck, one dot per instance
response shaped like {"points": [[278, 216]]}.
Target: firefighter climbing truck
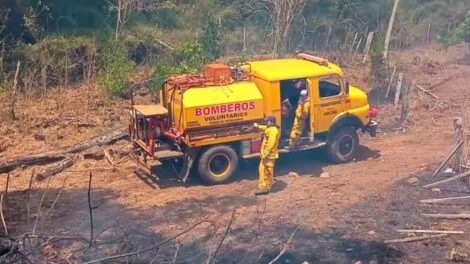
{"points": [[203, 124]]}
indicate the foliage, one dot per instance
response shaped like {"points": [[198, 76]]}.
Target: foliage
{"points": [[115, 67], [462, 32], [189, 58], [210, 39], [378, 66], [61, 37]]}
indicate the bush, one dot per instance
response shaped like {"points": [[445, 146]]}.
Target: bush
{"points": [[53, 61], [210, 39], [115, 67], [189, 58], [378, 66]]}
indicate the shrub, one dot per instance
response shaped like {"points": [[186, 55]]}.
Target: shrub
{"points": [[210, 39], [378, 66], [189, 58], [115, 67]]}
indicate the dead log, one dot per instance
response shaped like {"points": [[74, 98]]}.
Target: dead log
{"points": [[447, 216], [57, 168], [57, 155], [461, 176], [413, 239]]}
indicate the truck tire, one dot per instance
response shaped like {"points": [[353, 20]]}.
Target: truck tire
{"points": [[343, 145], [217, 164]]}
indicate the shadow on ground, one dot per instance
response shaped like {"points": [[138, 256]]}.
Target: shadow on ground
{"points": [[118, 230], [306, 163]]}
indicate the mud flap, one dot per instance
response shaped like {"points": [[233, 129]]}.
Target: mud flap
{"points": [[189, 159]]}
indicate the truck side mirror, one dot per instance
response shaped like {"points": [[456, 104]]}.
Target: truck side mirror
{"points": [[347, 87]]}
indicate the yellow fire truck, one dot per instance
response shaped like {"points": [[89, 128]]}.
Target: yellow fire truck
{"points": [[203, 123]]}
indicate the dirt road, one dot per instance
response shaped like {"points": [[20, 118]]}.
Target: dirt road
{"points": [[342, 217]]}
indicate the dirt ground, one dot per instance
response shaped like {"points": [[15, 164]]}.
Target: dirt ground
{"points": [[342, 218]]}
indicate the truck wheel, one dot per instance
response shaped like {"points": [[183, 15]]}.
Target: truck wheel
{"points": [[343, 145], [217, 164]]}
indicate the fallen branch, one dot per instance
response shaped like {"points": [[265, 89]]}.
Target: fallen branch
{"points": [[429, 201], [286, 246], [56, 155], [223, 237], [446, 160], [176, 254], [108, 157], [28, 197], [90, 208], [447, 216], [148, 248], [6, 190], [40, 205], [57, 197], [451, 179], [414, 239], [428, 93], [128, 241], [431, 231], [58, 168], [1, 215], [443, 81]]}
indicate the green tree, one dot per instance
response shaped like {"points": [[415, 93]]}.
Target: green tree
{"points": [[115, 67], [463, 30], [210, 39], [189, 58]]}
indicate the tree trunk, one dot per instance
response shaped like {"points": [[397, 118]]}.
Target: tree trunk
{"points": [[390, 28], [56, 155]]}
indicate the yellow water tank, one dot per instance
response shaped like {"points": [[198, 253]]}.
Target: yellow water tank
{"points": [[217, 106]]}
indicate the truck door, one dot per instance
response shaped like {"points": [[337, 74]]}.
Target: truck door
{"points": [[328, 97]]}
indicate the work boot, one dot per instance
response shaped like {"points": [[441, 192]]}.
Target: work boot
{"points": [[262, 192]]}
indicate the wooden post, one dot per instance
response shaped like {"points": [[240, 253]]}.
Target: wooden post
{"points": [[459, 137], [370, 37], [66, 66], [353, 44], [14, 92], [244, 38], [43, 71], [405, 102], [391, 81], [398, 91], [390, 28], [429, 33], [357, 48]]}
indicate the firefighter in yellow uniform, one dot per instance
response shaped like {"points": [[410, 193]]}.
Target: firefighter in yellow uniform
{"points": [[301, 115], [269, 154]]}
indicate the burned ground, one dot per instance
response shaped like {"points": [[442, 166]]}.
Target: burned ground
{"points": [[343, 217]]}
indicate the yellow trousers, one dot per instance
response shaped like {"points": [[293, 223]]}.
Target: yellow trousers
{"points": [[297, 131], [266, 174]]}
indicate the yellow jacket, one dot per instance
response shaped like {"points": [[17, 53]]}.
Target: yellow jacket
{"points": [[269, 147], [302, 110]]}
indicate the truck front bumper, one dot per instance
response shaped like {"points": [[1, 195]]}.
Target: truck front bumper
{"points": [[371, 128]]}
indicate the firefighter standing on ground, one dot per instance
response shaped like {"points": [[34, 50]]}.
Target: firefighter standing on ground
{"points": [[301, 115], [269, 154]]}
